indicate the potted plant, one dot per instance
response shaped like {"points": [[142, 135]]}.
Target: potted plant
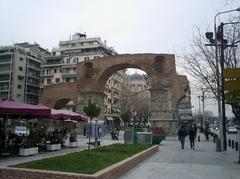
{"points": [[28, 147], [53, 142], [73, 140]]}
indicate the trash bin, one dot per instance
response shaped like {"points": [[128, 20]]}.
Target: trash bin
{"points": [[128, 136], [135, 131], [157, 138], [144, 137]]}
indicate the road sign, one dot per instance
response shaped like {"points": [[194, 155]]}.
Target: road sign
{"points": [[231, 73], [232, 85], [232, 97], [232, 79]]}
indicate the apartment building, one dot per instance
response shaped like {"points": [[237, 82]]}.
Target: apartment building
{"points": [[20, 67], [60, 67]]}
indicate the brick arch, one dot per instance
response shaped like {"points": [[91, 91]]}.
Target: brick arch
{"points": [[159, 67], [61, 103], [167, 87], [61, 93], [111, 70]]}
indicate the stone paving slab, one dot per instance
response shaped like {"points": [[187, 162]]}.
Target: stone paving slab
{"points": [[172, 162]]}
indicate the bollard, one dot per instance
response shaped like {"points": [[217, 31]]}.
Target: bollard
{"points": [[236, 146], [199, 138], [233, 144], [229, 142], [218, 145]]}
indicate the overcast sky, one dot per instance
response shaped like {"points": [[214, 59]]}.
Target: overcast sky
{"points": [[130, 26]]}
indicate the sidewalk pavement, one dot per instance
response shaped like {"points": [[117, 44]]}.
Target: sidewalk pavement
{"points": [[82, 141], [171, 162]]}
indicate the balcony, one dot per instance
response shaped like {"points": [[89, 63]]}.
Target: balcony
{"points": [[69, 74], [34, 67], [46, 75]]}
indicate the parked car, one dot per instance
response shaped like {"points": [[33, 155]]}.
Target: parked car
{"points": [[232, 130]]}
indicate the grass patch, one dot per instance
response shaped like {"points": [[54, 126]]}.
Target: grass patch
{"points": [[87, 162]]}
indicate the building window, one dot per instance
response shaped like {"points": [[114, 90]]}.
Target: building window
{"points": [[19, 86], [20, 77], [49, 81], [67, 79], [75, 60], [57, 80], [67, 70], [86, 58], [55, 70], [68, 60], [20, 68], [20, 59]]}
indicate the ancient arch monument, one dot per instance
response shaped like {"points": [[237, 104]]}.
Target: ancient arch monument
{"points": [[167, 87]]}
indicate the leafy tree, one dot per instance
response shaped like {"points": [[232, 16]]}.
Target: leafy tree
{"points": [[92, 110], [126, 116]]}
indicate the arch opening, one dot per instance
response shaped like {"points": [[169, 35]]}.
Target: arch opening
{"points": [[127, 98], [62, 103]]}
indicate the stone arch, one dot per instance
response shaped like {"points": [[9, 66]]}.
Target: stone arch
{"points": [[167, 87], [61, 103], [111, 70], [58, 92], [160, 77]]}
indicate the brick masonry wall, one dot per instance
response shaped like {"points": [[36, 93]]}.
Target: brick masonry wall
{"points": [[107, 173]]}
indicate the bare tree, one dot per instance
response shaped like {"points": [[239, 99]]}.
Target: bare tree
{"points": [[141, 106], [200, 63]]}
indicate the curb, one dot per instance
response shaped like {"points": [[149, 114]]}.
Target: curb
{"points": [[110, 172]]}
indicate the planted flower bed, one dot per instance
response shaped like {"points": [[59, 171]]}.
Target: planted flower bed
{"points": [[87, 162]]}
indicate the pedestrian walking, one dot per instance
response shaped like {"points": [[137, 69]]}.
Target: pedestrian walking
{"points": [[192, 136], [206, 132], [84, 130], [181, 135]]}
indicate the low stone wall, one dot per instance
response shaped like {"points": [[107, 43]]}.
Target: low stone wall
{"points": [[107, 173]]}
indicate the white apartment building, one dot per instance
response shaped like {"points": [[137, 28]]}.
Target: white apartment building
{"points": [[20, 67], [61, 66]]}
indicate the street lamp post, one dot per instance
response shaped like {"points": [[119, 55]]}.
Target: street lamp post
{"points": [[199, 112], [222, 88], [220, 91]]}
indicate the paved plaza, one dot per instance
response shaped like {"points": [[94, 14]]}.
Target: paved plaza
{"points": [[171, 162]]}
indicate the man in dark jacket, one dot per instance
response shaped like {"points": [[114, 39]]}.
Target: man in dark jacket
{"points": [[181, 135], [192, 136]]}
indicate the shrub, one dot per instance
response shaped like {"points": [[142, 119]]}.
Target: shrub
{"points": [[158, 130]]}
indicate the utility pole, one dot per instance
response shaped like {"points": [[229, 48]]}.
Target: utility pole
{"points": [[203, 105], [199, 112], [220, 34]]}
